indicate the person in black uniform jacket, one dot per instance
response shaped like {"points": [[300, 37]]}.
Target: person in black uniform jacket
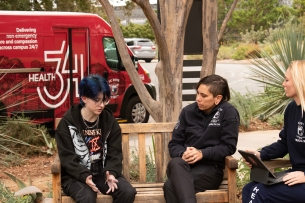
{"points": [[89, 142], [204, 135], [292, 141]]}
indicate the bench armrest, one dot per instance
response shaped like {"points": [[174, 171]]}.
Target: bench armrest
{"points": [[56, 180], [231, 162], [231, 165], [55, 168]]}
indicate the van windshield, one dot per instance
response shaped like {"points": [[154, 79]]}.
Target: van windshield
{"points": [[111, 53]]}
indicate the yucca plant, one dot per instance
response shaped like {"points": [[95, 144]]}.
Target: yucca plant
{"points": [[287, 44], [25, 194], [18, 134]]}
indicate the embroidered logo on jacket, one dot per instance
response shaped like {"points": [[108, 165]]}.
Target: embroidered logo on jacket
{"points": [[300, 131], [215, 120], [177, 125]]}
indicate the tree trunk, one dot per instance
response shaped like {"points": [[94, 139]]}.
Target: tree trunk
{"points": [[209, 35], [170, 40], [174, 15]]}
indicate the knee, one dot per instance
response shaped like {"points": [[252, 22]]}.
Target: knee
{"points": [[166, 185], [248, 189], [129, 192], [177, 161], [87, 197]]}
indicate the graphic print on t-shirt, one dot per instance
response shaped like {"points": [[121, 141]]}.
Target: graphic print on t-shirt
{"points": [[93, 139]]}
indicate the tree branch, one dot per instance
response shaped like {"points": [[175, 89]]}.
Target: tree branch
{"points": [[152, 105], [159, 35], [225, 21]]}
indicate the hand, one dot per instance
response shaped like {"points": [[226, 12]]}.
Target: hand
{"points": [[111, 181], [192, 155], [256, 153], [294, 178], [90, 183]]}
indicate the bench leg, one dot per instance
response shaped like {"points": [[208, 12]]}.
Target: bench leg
{"points": [[56, 184]]}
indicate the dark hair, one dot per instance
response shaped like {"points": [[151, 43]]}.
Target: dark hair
{"points": [[91, 86], [217, 86]]}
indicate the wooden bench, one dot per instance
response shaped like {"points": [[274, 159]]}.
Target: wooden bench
{"points": [[152, 192]]}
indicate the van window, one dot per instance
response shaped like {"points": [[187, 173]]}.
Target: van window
{"points": [[111, 53]]}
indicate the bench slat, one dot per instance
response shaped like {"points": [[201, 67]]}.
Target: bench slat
{"points": [[158, 156], [147, 127], [142, 157], [207, 196], [125, 150]]}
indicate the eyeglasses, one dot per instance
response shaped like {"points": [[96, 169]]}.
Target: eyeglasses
{"points": [[99, 102]]}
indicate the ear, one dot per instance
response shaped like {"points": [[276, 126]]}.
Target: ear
{"points": [[84, 99], [217, 99]]}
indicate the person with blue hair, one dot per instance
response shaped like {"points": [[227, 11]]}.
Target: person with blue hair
{"points": [[89, 142]]}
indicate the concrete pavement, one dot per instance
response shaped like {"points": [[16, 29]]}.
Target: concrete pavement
{"points": [[255, 140]]}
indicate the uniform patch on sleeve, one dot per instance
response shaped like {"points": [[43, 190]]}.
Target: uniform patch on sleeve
{"points": [[215, 120], [177, 125]]}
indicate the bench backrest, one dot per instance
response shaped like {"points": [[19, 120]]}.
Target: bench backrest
{"points": [[147, 141], [152, 139]]}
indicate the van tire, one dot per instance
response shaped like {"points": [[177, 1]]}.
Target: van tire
{"points": [[147, 60], [136, 112]]}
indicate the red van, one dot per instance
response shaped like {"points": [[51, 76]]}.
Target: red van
{"points": [[44, 55]]}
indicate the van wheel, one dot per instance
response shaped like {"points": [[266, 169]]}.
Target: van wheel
{"points": [[136, 112], [147, 60]]}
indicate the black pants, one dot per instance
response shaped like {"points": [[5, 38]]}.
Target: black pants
{"points": [[82, 193], [185, 180]]}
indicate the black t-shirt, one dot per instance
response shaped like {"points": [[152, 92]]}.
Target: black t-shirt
{"points": [[93, 139]]}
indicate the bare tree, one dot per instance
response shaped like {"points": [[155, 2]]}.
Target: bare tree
{"points": [[170, 39]]}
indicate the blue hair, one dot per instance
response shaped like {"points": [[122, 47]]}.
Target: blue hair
{"points": [[91, 86]]}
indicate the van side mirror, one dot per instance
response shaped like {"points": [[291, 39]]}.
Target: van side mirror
{"points": [[136, 62]]}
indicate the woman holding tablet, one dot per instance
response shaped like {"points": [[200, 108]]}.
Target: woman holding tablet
{"points": [[292, 141]]}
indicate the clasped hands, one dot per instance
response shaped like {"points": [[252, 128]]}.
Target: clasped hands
{"points": [[110, 180], [292, 178], [192, 155]]}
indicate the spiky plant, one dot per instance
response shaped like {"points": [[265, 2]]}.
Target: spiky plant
{"points": [[287, 45], [18, 134]]}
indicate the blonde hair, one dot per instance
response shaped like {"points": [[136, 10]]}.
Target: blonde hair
{"points": [[297, 69]]}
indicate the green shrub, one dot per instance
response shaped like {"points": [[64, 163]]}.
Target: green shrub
{"points": [[12, 160], [253, 36], [225, 52], [243, 51], [134, 168], [18, 133], [245, 105], [243, 176], [277, 120], [7, 196], [267, 49]]}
